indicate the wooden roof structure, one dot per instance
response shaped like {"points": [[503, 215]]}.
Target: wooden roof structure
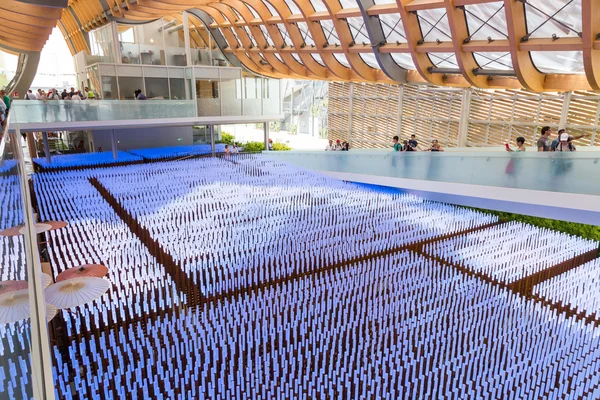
{"points": [[538, 45]]}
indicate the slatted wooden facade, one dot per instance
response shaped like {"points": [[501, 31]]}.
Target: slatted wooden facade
{"points": [[369, 114]]}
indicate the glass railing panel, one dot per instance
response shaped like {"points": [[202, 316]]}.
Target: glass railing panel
{"points": [[23, 329], [100, 110], [554, 172], [208, 107], [252, 107]]}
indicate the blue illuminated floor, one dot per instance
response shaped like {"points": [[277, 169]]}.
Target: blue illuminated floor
{"points": [[243, 278]]}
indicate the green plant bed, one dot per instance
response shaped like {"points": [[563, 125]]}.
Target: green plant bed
{"points": [[254, 146], [281, 147], [583, 230]]}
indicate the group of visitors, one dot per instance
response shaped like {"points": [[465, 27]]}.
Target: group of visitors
{"points": [[53, 94], [234, 149], [337, 146], [563, 142], [413, 144]]}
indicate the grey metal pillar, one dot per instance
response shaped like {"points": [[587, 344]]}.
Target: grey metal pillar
{"points": [[46, 146], [211, 129], [113, 144], [266, 128]]}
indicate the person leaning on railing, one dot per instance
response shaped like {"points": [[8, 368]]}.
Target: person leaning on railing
{"points": [[435, 146], [556, 141]]}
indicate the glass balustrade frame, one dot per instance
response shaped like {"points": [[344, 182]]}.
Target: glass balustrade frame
{"points": [[13, 170], [553, 172]]}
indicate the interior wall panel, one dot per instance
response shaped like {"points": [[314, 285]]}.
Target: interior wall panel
{"points": [[370, 118]]}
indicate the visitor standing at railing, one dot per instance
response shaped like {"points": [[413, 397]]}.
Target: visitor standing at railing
{"points": [[139, 95], [329, 147], [544, 143], [6, 98], [30, 95], [565, 143], [397, 146], [407, 146], [520, 145], [53, 98], [2, 113], [42, 97], [68, 107], [89, 94], [413, 143], [435, 146], [571, 138]]}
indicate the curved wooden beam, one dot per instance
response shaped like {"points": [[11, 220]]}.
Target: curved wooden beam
{"points": [[414, 37], [516, 25], [457, 20], [244, 38], [590, 11], [316, 32], [309, 66], [346, 40], [261, 42], [248, 59], [332, 68]]}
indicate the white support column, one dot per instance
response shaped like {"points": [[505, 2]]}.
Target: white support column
{"points": [[564, 115], [400, 105], [113, 144], [186, 38], [266, 129], [114, 30], [350, 105], [463, 123], [211, 129], [46, 146], [220, 93]]}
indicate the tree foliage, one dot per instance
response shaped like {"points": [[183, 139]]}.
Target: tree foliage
{"points": [[226, 138]]}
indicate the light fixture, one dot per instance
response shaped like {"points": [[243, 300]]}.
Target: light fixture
{"points": [[151, 40]]}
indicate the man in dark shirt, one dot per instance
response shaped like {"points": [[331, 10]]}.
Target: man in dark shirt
{"points": [[544, 143], [64, 94], [413, 143]]}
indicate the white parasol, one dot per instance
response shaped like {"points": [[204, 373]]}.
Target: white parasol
{"points": [[76, 291], [14, 306]]}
